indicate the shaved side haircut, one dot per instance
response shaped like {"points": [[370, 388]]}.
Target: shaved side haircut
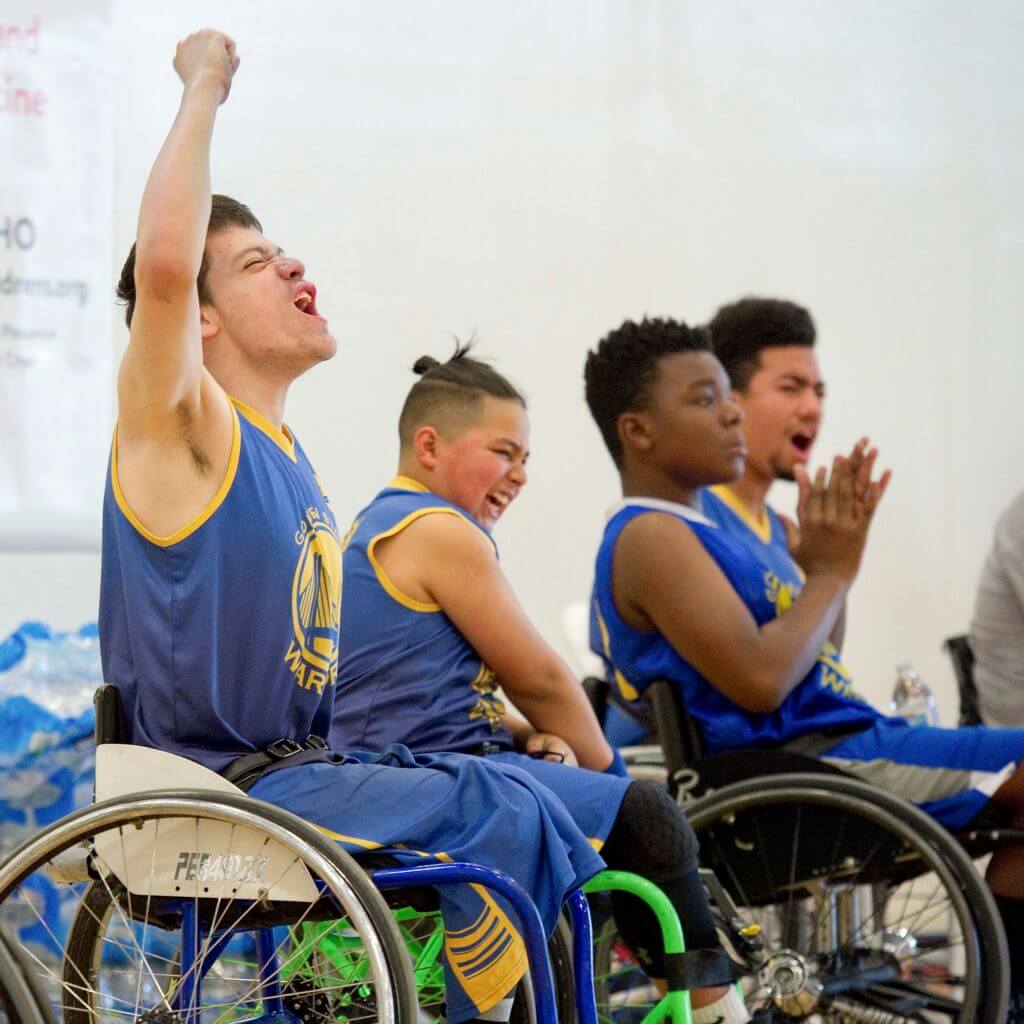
{"points": [[449, 396]]}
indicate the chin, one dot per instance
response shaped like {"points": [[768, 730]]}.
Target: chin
{"points": [[726, 473], [319, 352]]}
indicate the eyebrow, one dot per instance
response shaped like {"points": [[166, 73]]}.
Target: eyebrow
{"points": [[803, 381], [263, 250], [515, 444], [706, 382]]}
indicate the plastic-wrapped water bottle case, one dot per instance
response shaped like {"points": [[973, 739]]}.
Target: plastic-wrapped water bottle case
{"points": [[47, 755]]}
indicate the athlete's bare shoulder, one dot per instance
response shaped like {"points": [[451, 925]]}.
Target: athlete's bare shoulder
{"points": [[168, 470]]}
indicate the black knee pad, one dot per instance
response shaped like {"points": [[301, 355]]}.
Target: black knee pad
{"points": [[651, 836]]}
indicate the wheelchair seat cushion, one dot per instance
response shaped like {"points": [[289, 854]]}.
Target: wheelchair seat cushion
{"points": [[739, 765]]}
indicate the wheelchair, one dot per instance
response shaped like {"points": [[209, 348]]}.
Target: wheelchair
{"points": [[195, 903], [869, 910]]}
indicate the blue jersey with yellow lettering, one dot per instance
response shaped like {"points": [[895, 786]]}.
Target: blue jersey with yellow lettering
{"points": [[767, 584], [407, 674], [224, 636]]}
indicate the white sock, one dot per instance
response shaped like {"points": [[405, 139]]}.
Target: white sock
{"points": [[500, 1011], [727, 1010]]}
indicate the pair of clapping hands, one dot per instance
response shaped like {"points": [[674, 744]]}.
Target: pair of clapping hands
{"points": [[834, 511]]}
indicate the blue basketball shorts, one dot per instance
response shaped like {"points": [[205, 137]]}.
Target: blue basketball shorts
{"points": [[949, 773]]}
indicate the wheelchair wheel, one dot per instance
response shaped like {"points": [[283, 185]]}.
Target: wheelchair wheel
{"points": [[623, 993], [870, 910], [187, 908], [21, 1002]]}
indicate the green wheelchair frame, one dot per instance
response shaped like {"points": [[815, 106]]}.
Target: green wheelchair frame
{"points": [[424, 938]]}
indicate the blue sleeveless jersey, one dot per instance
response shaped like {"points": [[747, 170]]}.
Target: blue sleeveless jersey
{"points": [[223, 637], [766, 539], [407, 674], [767, 583]]}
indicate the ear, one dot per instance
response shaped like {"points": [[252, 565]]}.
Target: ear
{"points": [[635, 432], [209, 322], [426, 443]]}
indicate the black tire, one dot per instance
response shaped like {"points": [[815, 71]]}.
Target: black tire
{"points": [[796, 834], [622, 990], [21, 999], [344, 878], [560, 956]]}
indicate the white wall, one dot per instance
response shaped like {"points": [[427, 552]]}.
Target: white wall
{"points": [[537, 172]]}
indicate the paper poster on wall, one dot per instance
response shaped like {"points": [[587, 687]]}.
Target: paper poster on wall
{"points": [[56, 336]]}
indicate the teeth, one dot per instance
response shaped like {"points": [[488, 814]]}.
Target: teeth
{"points": [[303, 299], [500, 499]]}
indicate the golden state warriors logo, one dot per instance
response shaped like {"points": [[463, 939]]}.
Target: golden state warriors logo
{"points": [[316, 604], [780, 594], [488, 705]]}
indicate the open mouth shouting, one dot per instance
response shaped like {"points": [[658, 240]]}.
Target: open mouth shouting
{"points": [[304, 299], [802, 441], [495, 504]]}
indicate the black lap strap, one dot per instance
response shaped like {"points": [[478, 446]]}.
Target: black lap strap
{"points": [[814, 744], [700, 968], [245, 771]]}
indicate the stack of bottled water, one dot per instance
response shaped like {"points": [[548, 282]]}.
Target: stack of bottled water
{"points": [[47, 756]]}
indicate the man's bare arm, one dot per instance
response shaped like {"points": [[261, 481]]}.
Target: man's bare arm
{"points": [[664, 579], [462, 575], [162, 368]]}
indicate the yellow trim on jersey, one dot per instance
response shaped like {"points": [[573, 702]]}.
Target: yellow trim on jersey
{"points": [[761, 528], [626, 688], [215, 502], [595, 843], [383, 578], [282, 436], [406, 483]]}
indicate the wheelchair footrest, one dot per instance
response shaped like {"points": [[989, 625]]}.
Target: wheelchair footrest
{"points": [[700, 968]]}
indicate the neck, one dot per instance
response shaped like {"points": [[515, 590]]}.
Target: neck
{"points": [[409, 466], [752, 489], [266, 397], [640, 481]]}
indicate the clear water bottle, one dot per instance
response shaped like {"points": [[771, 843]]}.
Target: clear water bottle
{"points": [[912, 698]]}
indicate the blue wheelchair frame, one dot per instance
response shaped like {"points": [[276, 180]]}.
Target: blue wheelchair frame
{"points": [[187, 1000]]}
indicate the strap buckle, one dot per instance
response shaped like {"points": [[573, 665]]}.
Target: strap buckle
{"points": [[280, 749], [314, 742]]}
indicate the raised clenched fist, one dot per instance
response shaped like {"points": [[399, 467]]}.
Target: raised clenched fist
{"points": [[207, 55]]}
